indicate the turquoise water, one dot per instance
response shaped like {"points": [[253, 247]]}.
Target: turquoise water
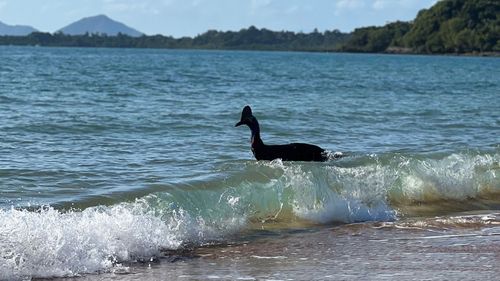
{"points": [[114, 155]]}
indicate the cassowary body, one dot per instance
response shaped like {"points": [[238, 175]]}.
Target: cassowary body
{"points": [[286, 152]]}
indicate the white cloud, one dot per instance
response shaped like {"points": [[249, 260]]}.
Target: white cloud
{"points": [[381, 4], [378, 5], [292, 9], [350, 4], [343, 7], [257, 4], [117, 6]]}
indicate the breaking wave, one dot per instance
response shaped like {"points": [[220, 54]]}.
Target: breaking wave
{"points": [[241, 196]]}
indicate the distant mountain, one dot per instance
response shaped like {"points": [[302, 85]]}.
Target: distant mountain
{"points": [[15, 30], [100, 24]]}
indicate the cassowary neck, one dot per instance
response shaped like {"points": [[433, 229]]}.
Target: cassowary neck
{"points": [[254, 127]]}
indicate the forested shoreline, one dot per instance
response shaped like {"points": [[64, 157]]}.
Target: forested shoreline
{"points": [[449, 27]]}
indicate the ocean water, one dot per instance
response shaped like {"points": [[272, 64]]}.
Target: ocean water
{"points": [[113, 157]]}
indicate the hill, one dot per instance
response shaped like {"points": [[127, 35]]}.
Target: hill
{"points": [[456, 26], [100, 24], [250, 38], [450, 26], [15, 30]]}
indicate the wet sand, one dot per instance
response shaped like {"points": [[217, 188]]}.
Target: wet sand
{"points": [[369, 251]]}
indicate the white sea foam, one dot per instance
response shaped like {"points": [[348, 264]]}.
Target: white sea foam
{"points": [[366, 191], [455, 177], [320, 195], [50, 243]]}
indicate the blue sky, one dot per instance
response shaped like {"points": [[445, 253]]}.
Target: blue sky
{"points": [[192, 17]]}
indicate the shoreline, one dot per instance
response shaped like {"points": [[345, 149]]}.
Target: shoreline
{"points": [[391, 52], [375, 251], [408, 51]]}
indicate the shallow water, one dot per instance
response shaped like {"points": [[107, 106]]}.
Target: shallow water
{"points": [[452, 248], [110, 156]]}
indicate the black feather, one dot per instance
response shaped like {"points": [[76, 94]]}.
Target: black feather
{"points": [[286, 152]]}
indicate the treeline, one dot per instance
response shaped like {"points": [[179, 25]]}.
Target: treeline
{"points": [[246, 39], [264, 39], [450, 26]]}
